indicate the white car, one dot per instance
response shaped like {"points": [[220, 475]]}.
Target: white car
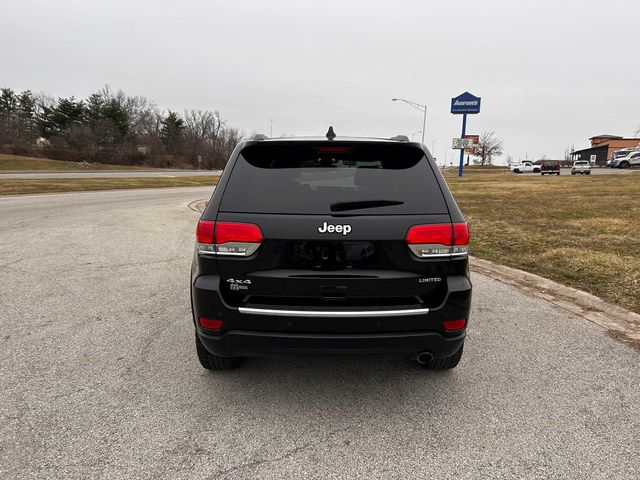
{"points": [[525, 167], [581, 167], [632, 159]]}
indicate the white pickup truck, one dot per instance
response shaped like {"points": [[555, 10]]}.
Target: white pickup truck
{"points": [[525, 167], [582, 167]]}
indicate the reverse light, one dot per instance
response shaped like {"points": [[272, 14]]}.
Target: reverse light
{"points": [[439, 240], [210, 323], [454, 325], [228, 238]]}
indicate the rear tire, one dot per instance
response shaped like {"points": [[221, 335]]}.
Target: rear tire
{"points": [[446, 363], [214, 362]]}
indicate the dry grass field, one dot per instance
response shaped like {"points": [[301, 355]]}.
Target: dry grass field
{"points": [[582, 231], [20, 163], [24, 187]]}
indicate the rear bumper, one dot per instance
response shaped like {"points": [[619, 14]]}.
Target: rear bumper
{"points": [[262, 332], [259, 344]]}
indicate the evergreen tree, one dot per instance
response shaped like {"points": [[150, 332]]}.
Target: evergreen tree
{"points": [[58, 120], [171, 132], [8, 102]]}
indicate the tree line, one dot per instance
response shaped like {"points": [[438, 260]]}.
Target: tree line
{"points": [[113, 127]]}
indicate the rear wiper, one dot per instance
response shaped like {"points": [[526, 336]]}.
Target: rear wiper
{"points": [[344, 206]]}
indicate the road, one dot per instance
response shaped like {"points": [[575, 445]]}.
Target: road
{"points": [[594, 171], [99, 379], [109, 174], [603, 171]]}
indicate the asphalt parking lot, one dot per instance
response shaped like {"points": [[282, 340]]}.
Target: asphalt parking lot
{"points": [[603, 171], [99, 379]]}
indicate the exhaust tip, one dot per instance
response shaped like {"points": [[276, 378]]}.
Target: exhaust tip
{"points": [[424, 358]]}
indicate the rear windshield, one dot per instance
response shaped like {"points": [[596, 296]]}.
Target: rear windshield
{"points": [[312, 178]]}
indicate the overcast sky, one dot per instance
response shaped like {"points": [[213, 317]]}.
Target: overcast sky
{"points": [[550, 73]]}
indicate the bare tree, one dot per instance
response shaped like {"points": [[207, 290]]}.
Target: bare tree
{"points": [[488, 146], [202, 127], [568, 151]]}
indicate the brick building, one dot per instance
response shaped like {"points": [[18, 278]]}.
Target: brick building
{"points": [[602, 147]]}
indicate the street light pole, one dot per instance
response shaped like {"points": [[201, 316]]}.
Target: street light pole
{"points": [[422, 108]]}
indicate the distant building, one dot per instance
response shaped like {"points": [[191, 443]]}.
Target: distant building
{"points": [[602, 147]]}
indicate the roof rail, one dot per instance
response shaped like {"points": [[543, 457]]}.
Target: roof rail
{"points": [[400, 138]]}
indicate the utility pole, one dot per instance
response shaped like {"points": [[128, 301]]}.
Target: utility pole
{"points": [[464, 131]]}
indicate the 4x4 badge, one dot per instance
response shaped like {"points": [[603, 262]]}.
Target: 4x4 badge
{"points": [[237, 285]]}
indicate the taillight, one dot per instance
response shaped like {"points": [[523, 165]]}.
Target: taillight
{"points": [[461, 234], [210, 323], [228, 238], [438, 240], [454, 325], [204, 233]]}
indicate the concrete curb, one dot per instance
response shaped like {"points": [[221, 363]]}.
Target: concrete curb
{"points": [[198, 205], [619, 323]]}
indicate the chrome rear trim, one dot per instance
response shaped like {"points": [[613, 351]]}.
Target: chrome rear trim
{"points": [[333, 313]]}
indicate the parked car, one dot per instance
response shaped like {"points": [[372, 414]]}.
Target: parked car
{"points": [[331, 245], [617, 156], [525, 167], [630, 160], [581, 167], [550, 167]]}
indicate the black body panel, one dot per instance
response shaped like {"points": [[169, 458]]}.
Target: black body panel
{"points": [[302, 266]]}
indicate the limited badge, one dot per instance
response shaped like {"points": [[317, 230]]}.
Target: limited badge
{"points": [[430, 280]]}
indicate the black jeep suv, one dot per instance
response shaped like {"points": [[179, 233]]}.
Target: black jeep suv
{"points": [[331, 245]]}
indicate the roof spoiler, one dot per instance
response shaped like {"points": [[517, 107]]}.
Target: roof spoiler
{"points": [[400, 138], [258, 137]]}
